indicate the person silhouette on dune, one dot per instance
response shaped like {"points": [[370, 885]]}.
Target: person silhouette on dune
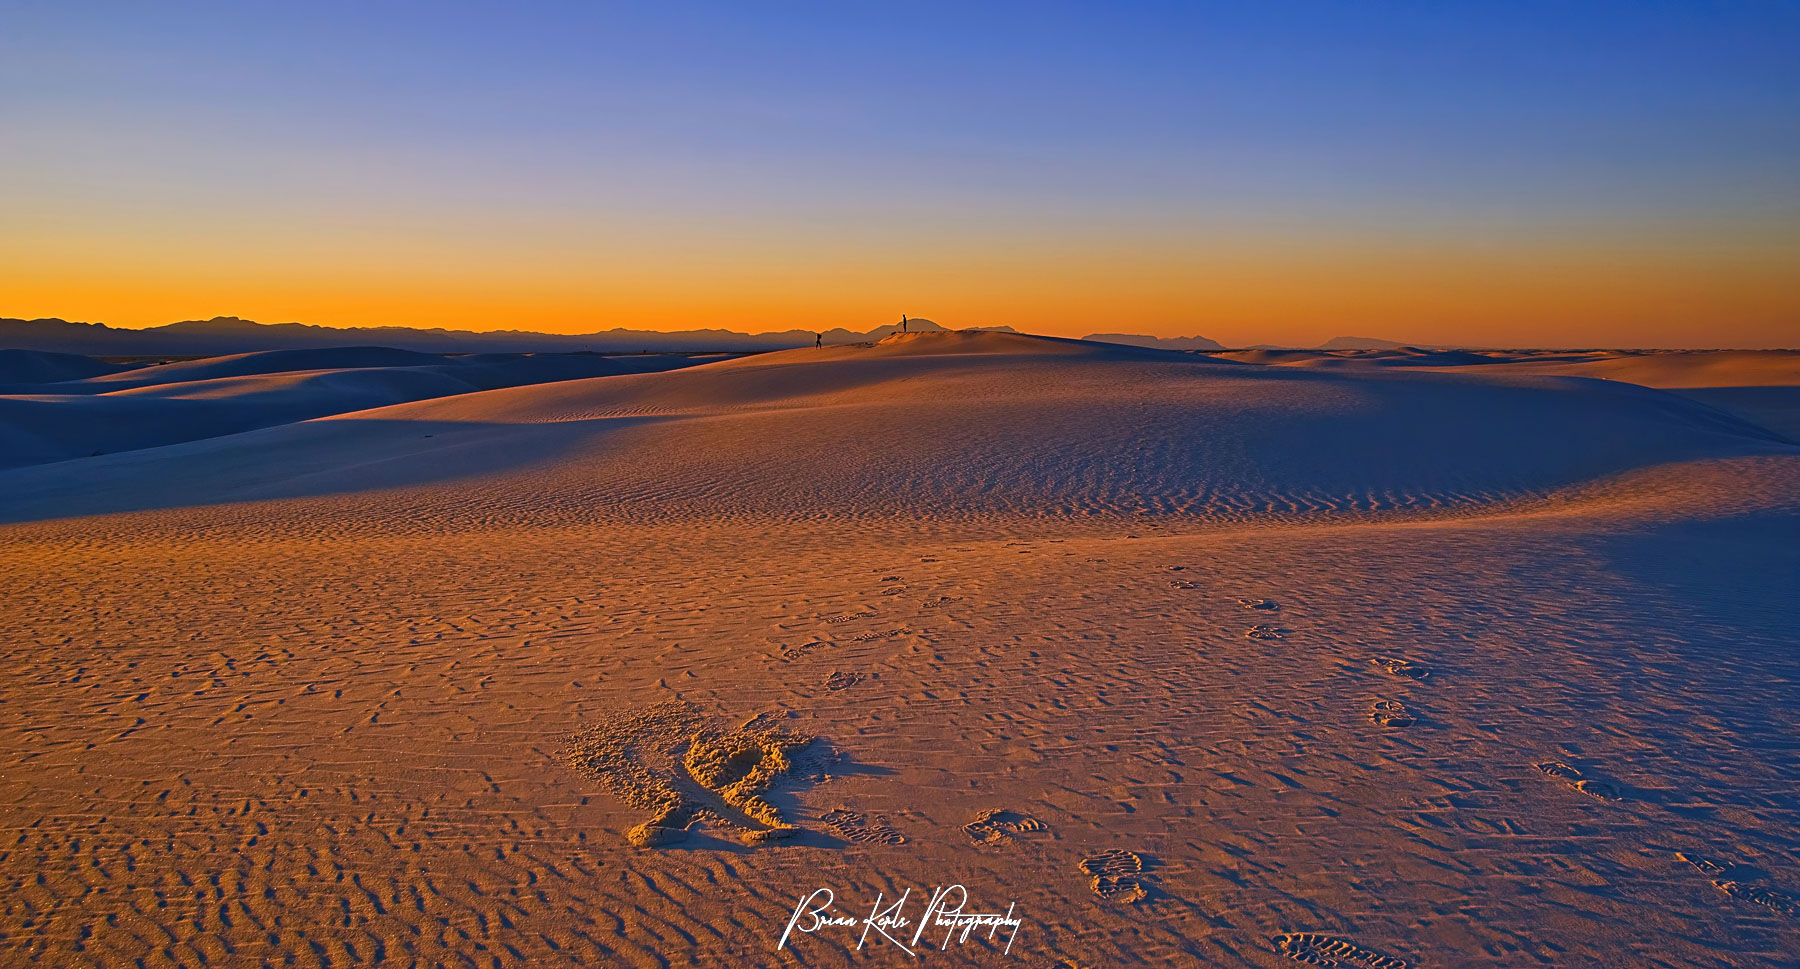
{"points": [[902, 322], [819, 341]]}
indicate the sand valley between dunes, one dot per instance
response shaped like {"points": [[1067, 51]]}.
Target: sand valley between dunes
{"points": [[1233, 660]]}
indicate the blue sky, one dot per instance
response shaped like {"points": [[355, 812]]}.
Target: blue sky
{"points": [[502, 131]]}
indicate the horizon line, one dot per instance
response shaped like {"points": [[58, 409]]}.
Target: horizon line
{"points": [[1396, 344]]}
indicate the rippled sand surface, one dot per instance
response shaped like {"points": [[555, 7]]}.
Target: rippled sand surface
{"points": [[1192, 661]]}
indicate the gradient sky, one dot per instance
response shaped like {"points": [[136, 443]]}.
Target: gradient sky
{"points": [[1547, 174]]}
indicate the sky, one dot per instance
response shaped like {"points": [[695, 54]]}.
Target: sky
{"points": [[1499, 174]]}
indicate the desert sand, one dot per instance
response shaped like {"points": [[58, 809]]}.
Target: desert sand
{"points": [[56, 406], [1234, 660]]}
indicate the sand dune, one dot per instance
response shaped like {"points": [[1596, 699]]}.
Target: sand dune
{"points": [[1652, 368], [1193, 661], [26, 367], [940, 420], [1670, 369], [1329, 359], [197, 399], [1760, 386], [264, 362]]}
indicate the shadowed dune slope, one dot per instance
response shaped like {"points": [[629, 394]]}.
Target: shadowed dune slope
{"points": [[956, 424], [43, 367], [1759, 386], [199, 399]]}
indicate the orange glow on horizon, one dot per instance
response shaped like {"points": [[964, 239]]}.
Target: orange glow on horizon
{"points": [[1574, 296]]}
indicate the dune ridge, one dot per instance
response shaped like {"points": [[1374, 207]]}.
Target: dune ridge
{"points": [[939, 419], [127, 409]]}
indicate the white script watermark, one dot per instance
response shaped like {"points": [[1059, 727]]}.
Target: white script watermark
{"points": [[888, 922]]}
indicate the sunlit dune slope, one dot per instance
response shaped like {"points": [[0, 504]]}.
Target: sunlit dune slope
{"points": [[266, 362], [954, 424], [1669, 369]]}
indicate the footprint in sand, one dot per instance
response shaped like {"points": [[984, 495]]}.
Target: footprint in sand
{"points": [[858, 827], [896, 590], [849, 617], [941, 601], [1591, 786], [795, 652], [1730, 878], [1114, 871], [843, 681], [1184, 584], [1265, 605], [1402, 667], [1390, 713], [1329, 950], [891, 578], [1263, 630], [996, 826], [676, 764]]}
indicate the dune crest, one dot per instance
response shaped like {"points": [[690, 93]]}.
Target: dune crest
{"points": [[129, 409], [966, 424]]}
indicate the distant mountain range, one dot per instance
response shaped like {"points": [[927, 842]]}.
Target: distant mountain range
{"points": [[229, 334]]}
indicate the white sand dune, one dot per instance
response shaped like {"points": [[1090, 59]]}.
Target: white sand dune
{"points": [[941, 421], [1197, 662], [44, 428], [198, 399], [25, 367], [262, 362], [1760, 386], [1651, 368], [1671, 369], [1360, 359]]}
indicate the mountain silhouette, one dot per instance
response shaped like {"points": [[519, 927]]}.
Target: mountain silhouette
{"points": [[230, 334]]}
